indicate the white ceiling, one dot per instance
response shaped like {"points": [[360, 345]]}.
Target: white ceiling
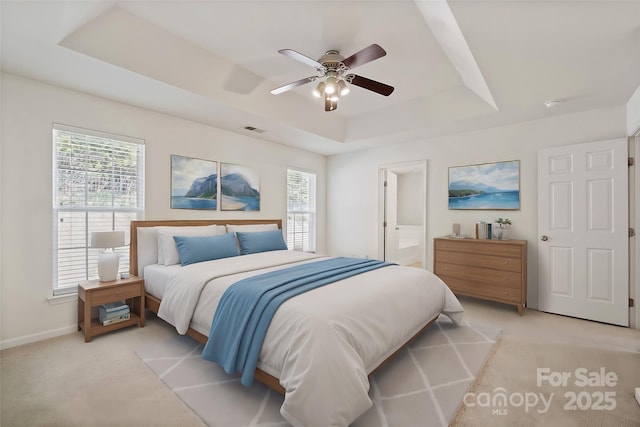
{"points": [[455, 66]]}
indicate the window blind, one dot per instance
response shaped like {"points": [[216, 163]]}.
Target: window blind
{"points": [[98, 186], [301, 210]]}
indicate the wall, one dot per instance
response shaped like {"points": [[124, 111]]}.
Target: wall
{"points": [[633, 113], [352, 177], [28, 110], [410, 206]]}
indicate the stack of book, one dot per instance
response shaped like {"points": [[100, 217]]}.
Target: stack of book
{"points": [[114, 312], [483, 230]]}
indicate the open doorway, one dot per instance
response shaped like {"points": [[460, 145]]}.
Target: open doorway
{"points": [[402, 224]]}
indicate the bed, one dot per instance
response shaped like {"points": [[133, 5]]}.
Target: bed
{"points": [[320, 346]]}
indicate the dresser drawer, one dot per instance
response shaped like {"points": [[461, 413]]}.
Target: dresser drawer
{"points": [[495, 293], [486, 261], [117, 293], [482, 276], [481, 248]]}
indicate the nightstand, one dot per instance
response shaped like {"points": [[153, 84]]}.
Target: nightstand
{"points": [[93, 293]]}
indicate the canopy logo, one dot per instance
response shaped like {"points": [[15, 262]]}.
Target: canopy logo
{"points": [[499, 401]]}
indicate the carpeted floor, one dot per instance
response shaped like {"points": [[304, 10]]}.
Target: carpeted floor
{"points": [[422, 386], [66, 382], [553, 385]]}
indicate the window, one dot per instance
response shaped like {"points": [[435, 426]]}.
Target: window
{"points": [[301, 210], [98, 182]]}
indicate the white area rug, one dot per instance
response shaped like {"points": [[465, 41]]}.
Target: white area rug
{"points": [[422, 386]]}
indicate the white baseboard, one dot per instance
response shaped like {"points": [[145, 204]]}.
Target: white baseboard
{"points": [[28, 339], [638, 395]]}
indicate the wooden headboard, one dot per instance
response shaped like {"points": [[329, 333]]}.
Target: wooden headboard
{"points": [[133, 248]]}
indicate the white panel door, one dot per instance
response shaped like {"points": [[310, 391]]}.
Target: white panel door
{"points": [[583, 254]]}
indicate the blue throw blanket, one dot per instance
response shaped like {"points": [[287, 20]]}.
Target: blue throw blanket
{"points": [[247, 307]]}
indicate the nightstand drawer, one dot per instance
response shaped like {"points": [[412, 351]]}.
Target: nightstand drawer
{"points": [[116, 293]]}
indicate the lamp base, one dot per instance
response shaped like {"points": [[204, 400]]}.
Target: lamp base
{"points": [[108, 266]]}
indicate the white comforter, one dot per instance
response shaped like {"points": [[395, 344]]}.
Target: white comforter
{"points": [[322, 344]]}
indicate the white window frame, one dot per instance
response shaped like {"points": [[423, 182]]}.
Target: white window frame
{"points": [[90, 216], [301, 220]]}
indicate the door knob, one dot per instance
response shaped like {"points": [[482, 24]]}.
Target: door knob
{"points": [[544, 238]]}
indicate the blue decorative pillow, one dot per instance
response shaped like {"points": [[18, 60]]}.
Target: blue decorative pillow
{"points": [[194, 249], [260, 241]]}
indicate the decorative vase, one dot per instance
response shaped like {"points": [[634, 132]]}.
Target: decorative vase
{"points": [[108, 266], [497, 233], [505, 233]]}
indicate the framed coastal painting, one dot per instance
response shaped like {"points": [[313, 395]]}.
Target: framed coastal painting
{"points": [[494, 186], [194, 183], [239, 188]]}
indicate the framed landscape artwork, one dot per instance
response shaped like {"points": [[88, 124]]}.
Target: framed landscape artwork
{"points": [[194, 183], [239, 188], [494, 186]]}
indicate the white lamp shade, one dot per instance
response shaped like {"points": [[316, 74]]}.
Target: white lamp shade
{"points": [[107, 239]]}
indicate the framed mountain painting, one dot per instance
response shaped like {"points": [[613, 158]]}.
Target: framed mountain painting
{"points": [[194, 183], [239, 188], [494, 186]]}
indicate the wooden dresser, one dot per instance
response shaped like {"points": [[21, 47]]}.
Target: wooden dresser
{"points": [[494, 270]]}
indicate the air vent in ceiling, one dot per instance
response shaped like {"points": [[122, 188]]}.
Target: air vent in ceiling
{"points": [[254, 129]]}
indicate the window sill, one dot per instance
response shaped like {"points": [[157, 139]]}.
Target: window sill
{"points": [[63, 299]]}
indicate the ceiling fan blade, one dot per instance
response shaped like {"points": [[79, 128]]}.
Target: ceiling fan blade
{"points": [[292, 85], [371, 85], [300, 57], [367, 54]]}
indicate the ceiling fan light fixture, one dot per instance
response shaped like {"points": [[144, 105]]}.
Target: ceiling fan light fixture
{"points": [[330, 102], [319, 90], [330, 85], [343, 89]]}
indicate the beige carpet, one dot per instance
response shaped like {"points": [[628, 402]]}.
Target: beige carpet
{"points": [[545, 398], [65, 382], [422, 386]]}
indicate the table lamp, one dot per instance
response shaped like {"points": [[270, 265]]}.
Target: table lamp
{"points": [[108, 261]]}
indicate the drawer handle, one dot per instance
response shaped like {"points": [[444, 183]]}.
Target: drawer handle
{"points": [[117, 292], [506, 293], [446, 246], [506, 263], [506, 278], [446, 268]]}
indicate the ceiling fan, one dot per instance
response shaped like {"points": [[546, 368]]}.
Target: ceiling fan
{"points": [[334, 70]]}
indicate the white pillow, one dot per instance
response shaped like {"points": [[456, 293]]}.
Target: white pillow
{"points": [[167, 249], [248, 228]]}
